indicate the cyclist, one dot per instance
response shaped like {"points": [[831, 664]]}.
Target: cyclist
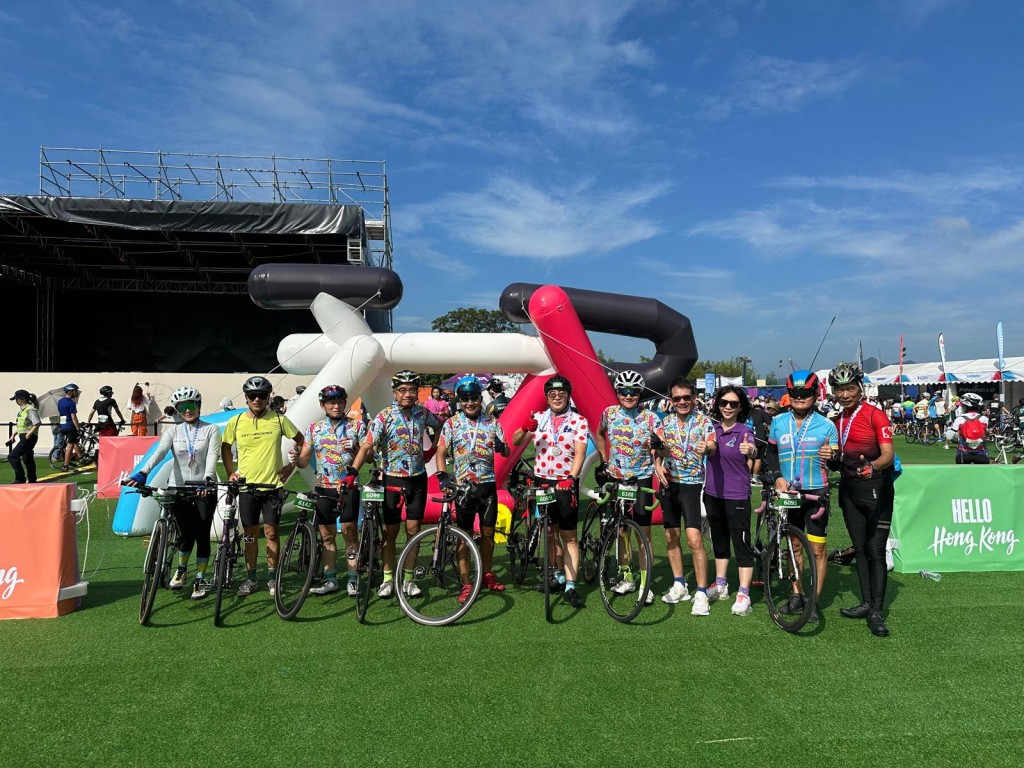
{"points": [[498, 399], [865, 459], [102, 408], [560, 440], [257, 434], [727, 493], [194, 445], [681, 473], [334, 441], [26, 434], [969, 431], [627, 438], [473, 439], [67, 410], [799, 444], [396, 434]]}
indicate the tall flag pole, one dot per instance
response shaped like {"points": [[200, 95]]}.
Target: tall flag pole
{"points": [[860, 355], [903, 351], [1001, 361], [942, 367]]}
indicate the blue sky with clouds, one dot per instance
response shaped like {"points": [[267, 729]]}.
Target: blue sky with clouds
{"points": [[758, 166]]}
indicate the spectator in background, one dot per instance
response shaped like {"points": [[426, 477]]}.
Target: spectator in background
{"points": [[225, 405], [437, 404], [26, 434], [499, 401], [102, 408], [969, 432], [278, 404], [68, 426], [137, 407], [291, 400]]}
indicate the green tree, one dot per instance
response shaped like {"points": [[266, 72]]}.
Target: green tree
{"points": [[473, 320], [730, 368], [772, 379]]}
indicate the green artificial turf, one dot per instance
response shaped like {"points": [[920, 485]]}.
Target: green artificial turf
{"points": [[504, 688]]}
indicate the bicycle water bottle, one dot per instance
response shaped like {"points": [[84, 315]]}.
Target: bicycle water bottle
{"points": [[930, 575]]}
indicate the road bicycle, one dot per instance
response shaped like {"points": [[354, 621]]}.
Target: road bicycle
{"points": [[371, 534], [1010, 449], [163, 545], [783, 558], [623, 552], [435, 565], [232, 539], [523, 535], [88, 446], [300, 564]]}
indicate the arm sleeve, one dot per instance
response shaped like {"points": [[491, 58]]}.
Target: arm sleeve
{"points": [[771, 458]]}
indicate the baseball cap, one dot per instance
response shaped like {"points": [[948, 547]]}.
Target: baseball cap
{"points": [[21, 393]]}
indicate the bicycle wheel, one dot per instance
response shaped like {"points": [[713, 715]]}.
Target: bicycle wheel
{"points": [[911, 434], [433, 575], [624, 564], [56, 458], [590, 542], [366, 564], [295, 570], [789, 567], [927, 436], [170, 553], [546, 574], [222, 572], [151, 569], [517, 564]]}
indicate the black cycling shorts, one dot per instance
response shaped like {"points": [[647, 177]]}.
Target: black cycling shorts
{"points": [[330, 505], [414, 493], [70, 436], [252, 503], [481, 500], [816, 530], [565, 511], [680, 503]]}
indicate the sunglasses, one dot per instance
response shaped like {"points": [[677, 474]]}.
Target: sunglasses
{"points": [[628, 392], [188, 405], [469, 398], [802, 394], [682, 399], [728, 403], [257, 396]]}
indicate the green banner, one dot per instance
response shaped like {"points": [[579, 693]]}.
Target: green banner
{"points": [[959, 518]]}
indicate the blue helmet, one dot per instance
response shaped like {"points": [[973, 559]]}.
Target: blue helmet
{"points": [[802, 381], [468, 386]]}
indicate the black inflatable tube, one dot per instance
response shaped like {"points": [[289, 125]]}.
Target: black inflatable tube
{"points": [[294, 286], [634, 316]]}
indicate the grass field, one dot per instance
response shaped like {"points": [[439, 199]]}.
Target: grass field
{"points": [[504, 688]]}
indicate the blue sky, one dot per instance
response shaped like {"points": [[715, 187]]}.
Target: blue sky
{"points": [[758, 166]]}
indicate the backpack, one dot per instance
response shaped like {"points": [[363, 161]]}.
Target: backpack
{"points": [[972, 432]]}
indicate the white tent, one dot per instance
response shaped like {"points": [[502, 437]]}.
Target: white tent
{"points": [[982, 369]]}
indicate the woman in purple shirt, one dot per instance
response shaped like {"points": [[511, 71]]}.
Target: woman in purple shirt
{"points": [[727, 493]]}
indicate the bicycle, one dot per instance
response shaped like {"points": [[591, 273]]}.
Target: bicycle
{"points": [[783, 555], [371, 534], [88, 446], [300, 562], [163, 544], [1010, 448], [230, 549], [431, 566], [624, 554], [521, 544]]}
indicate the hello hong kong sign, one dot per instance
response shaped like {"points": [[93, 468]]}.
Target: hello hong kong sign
{"points": [[959, 518]]}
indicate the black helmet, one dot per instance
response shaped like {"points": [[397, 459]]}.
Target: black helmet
{"points": [[405, 377], [332, 392], [71, 387], [106, 391], [558, 382], [257, 384]]}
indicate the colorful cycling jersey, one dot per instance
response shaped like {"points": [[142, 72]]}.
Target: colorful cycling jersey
{"points": [[555, 442], [798, 447], [629, 441], [334, 445], [682, 464], [65, 407], [861, 431], [397, 436], [471, 446], [194, 449], [258, 440]]}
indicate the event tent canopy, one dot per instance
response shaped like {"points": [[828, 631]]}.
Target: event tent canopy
{"points": [[981, 369]]}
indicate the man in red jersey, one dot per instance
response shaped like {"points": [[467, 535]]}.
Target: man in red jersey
{"points": [[865, 489]]}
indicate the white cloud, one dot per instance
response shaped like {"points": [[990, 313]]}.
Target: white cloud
{"points": [[939, 186]]}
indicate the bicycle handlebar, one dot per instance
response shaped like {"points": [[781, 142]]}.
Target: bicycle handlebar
{"points": [[768, 490], [610, 486]]}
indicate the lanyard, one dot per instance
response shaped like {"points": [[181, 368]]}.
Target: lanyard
{"points": [[845, 431], [798, 440], [190, 444], [476, 432]]}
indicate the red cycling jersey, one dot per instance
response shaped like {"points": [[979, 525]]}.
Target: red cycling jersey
{"points": [[861, 431]]}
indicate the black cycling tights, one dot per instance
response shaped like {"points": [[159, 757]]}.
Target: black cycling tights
{"points": [[194, 518], [867, 510]]}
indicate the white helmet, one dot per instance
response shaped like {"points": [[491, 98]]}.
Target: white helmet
{"points": [[628, 380], [184, 394], [971, 401]]}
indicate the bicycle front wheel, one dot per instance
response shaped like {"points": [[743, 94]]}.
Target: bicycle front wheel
{"points": [[170, 553], [366, 563], [56, 458], [151, 569], [547, 574], [295, 571], [624, 570], [590, 542], [431, 572], [222, 567], [789, 570]]}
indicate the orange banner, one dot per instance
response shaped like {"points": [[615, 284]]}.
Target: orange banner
{"points": [[118, 457], [38, 550]]}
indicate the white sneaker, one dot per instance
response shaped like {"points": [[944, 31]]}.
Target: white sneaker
{"points": [[946, 446], [649, 600], [718, 591], [387, 589], [352, 588], [624, 587], [700, 605], [200, 588], [742, 605], [178, 579], [327, 587], [678, 594], [272, 587], [411, 589]]}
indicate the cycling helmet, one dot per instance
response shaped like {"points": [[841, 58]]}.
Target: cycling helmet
{"points": [[71, 387], [405, 377], [332, 392], [495, 385], [468, 386], [845, 373], [257, 384], [802, 381], [628, 380], [106, 391], [184, 394], [971, 401], [558, 382], [300, 389]]}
